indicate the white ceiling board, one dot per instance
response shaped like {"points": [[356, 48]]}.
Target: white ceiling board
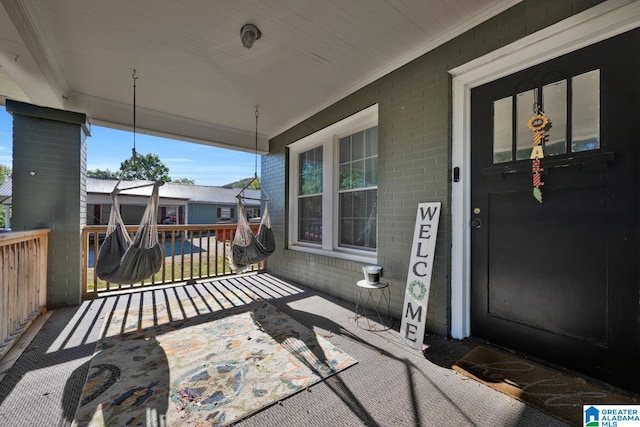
{"points": [[196, 79]]}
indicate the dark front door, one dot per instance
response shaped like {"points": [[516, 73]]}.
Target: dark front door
{"points": [[558, 279]]}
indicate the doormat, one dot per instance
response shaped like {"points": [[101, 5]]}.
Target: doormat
{"points": [[213, 369], [558, 394]]}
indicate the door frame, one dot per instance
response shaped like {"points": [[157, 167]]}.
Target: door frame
{"points": [[601, 22]]}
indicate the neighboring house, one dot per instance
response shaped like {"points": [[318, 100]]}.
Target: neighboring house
{"points": [[5, 196], [558, 280], [179, 203]]}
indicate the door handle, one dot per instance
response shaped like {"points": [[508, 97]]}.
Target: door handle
{"points": [[476, 223]]}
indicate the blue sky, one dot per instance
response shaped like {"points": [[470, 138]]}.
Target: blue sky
{"points": [[107, 148]]}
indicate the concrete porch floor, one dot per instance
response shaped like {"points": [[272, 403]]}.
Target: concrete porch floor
{"points": [[391, 385]]}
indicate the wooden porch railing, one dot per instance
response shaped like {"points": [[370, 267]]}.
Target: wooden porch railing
{"points": [[23, 285], [191, 252]]}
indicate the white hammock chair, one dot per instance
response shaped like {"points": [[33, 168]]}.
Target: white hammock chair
{"points": [[248, 249]]}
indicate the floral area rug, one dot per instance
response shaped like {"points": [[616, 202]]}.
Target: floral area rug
{"points": [[207, 370]]}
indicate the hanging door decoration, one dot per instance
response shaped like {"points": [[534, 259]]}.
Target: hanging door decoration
{"points": [[539, 124]]}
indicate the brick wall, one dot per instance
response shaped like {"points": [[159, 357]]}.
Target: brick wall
{"points": [[414, 160], [49, 190]]}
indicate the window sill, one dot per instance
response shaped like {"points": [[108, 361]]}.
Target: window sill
{"points": [[342, 254]]}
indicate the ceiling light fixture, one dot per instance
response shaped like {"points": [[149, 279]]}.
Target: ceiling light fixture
{"points": [[249, 33]]}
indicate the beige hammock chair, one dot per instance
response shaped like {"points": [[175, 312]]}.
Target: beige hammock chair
{"points": [[248, 249]]}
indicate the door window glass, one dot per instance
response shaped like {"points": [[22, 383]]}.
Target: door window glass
{"points": [[502, 130], [586, 111], [554, 99], [572, 106], [524, 139]]}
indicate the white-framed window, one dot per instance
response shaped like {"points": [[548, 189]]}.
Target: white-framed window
{"points": [[333, 196], [225, 213]]}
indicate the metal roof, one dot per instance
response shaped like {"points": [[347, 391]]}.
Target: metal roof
{"points": [[5, 192], [189, 193]]}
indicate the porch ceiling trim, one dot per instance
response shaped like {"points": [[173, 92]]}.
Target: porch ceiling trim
{"points": [[156, 123], [38, 74]]}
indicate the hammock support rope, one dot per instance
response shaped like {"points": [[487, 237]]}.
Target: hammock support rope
{"points": [[121, 259]]}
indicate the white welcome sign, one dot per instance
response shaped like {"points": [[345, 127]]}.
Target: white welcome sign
{"points": [[416, 297]]}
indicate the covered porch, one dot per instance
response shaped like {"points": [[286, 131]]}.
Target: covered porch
{"points": [[419, 81], [390, 385]]}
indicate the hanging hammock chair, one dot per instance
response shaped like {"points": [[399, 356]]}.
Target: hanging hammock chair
{"points": [[248, 249], [124, 260]]}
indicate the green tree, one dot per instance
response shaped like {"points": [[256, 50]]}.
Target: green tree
{"points": [[255, 185], [184, 181], [311, 178], [350, 179], [5, 172], [138, 170], [99, 173], [145, 167]]}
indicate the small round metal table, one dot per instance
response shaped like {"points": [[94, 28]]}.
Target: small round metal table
{"points": [[370, 300]]}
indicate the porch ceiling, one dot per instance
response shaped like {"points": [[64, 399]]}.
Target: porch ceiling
{"points": [[196, 80]]}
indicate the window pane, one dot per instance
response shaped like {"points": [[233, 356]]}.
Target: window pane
{"points": [[524, 135], [310, 219], [359, 160], [357, 210], [371, 142], [310, 172], [345, 149], [371, 154], [346, 204], [502, 130], [358, 219], [554, 99], [345, 176], [585, 117], [371, 172], [357, 145], [357, 174]]}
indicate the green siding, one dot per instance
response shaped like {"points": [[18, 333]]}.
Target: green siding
{"points": [[200, 213], [414, 160]]}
